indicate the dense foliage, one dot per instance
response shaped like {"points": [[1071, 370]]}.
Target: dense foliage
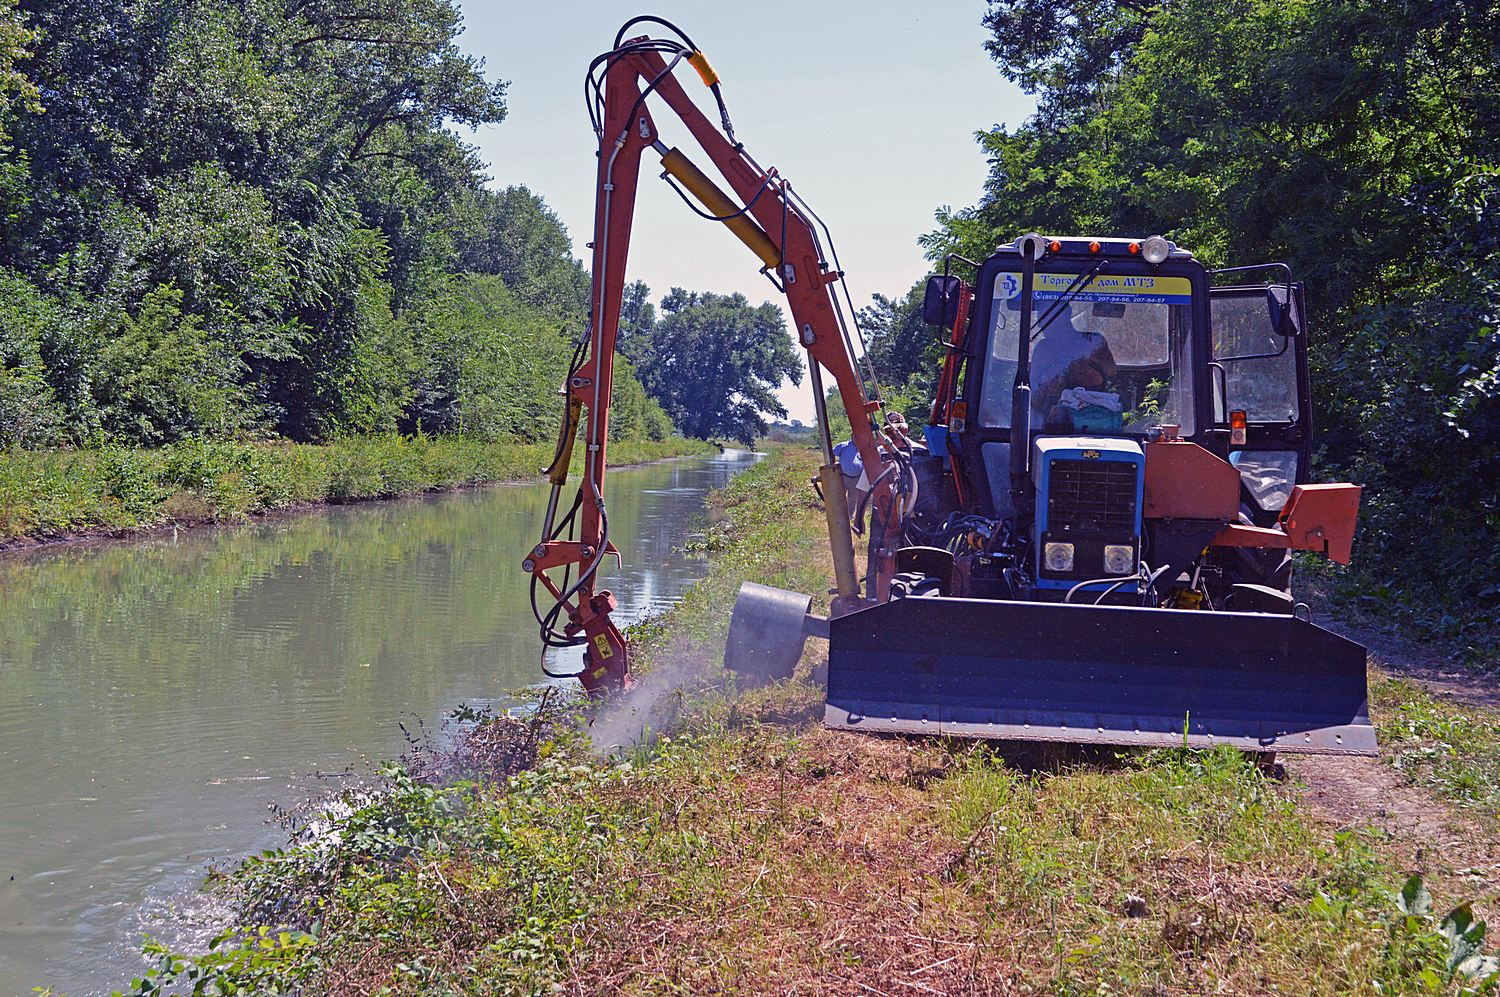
{"points": [[713, 360], [1359, 141], [901, 347], [252, 216]]}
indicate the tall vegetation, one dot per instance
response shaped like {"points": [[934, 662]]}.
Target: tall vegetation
{"points": [[713, 360], [253, 216], [1359, 141]]}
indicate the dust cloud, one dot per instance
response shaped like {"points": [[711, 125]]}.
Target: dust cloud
{"points": [[654, 702]]}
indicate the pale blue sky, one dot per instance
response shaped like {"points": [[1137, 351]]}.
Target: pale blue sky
{"points": [[869, 109]]}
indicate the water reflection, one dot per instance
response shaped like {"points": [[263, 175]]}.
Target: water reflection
{"points": [[156, 696]]}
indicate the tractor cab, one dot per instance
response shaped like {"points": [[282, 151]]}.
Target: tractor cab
{"points": [[1129, 339]]}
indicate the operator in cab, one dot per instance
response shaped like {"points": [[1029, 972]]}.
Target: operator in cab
{"points": [[1072, 372]]}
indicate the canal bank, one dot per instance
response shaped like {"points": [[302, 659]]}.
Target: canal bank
{"points": [[157, 695], [751, 851], [52, 496]]}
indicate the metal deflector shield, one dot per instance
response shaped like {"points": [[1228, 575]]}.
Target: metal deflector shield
{"points": [[1098, 675], [766, 632]]}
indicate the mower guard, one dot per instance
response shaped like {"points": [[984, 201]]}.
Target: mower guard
{"points": [[1098, 675]]}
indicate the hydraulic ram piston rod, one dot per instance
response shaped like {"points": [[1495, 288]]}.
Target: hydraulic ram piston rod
{"points": [[716, 201]]}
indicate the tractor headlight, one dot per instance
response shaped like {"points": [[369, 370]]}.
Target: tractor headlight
{"points": [[1156, 249], [1058, 556], [1119, 559]]}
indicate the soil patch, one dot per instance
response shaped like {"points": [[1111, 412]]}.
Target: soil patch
{"points": [[1422, 833]]}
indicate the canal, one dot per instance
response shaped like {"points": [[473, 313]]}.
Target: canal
{"points": [[158, 696]]}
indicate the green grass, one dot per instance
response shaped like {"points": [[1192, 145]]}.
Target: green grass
{"points": [[55, 494], [754, 851], [1450, 747]]}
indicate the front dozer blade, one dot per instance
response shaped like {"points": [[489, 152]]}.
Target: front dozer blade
{"points": [[1098, 675]]}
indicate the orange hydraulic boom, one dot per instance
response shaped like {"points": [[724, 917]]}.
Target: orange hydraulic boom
{"points": [[762, 211]]}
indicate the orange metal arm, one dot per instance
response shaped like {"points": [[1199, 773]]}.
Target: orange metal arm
{"points": [[804, 272], [773, 225], [1319, 518]]}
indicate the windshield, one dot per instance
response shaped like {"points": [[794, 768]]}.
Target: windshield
{"points": [[1114, 359]]}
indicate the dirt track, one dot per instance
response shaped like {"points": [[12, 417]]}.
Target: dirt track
{"points": [[1426, 833]]}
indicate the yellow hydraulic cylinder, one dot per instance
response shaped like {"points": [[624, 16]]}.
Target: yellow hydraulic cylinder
{"points": [[719, 204], [836, 508], [558, 472]]}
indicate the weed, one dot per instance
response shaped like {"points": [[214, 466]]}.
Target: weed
{"points": [[1424, 954]]}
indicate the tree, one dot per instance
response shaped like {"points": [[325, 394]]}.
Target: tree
{"points": [[637, 322], [161, 378], [1355, 140], [1066, 53], [30, 414], [522, 241], [902, 347], [714, 363], [15, 88], [257, 216]]}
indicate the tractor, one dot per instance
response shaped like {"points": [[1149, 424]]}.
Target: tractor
{"points": [[1090, 539]]}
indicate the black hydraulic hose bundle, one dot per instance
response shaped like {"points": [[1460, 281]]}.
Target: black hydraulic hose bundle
{"points": [[693, 50], [550, 635]]}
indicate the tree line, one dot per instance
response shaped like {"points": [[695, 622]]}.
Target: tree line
{"points": [[1356, 140], [254, 217]]}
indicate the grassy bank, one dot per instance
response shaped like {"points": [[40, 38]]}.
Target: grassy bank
{"points": [[1450, 747], [754, 851], [52, 495]]}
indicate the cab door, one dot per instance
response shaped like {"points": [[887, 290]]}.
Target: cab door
{"points": [[1260, 389]]}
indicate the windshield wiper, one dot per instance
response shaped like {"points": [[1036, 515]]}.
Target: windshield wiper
{"points": [[1069, 293]]}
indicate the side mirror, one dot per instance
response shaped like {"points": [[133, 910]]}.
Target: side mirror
{"points": [[1284, 317], [940, 302]]}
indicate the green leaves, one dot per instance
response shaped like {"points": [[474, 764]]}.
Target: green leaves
{"points": [[230, 207], [1414, 900], [714, 363], [1440, 955], [516, 237], [255, 217], [15, 88], [240, 961], [160, 377], [1465, 937], [901, 345]]}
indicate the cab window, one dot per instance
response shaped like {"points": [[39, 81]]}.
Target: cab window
{"points": [[1265, 387], [1113, 358]]}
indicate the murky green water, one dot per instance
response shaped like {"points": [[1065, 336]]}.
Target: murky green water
{"points": [[156, 696]]}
